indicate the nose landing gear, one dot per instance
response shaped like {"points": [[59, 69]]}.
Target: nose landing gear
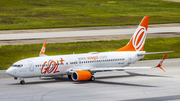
{"points": [[21, 80]]}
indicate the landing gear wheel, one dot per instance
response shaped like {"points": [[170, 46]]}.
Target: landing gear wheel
{"points": [[22, 82], [69, 76], [92, 78]]}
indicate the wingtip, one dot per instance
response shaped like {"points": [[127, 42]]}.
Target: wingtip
{"points": [[160, 64], [162, 69]]}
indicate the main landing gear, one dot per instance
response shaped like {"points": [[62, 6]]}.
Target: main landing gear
{"points": [[22, 82], [69, 76], [92, 78]]}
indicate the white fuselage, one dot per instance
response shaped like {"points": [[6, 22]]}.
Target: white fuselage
{"points": [[61, 64]]}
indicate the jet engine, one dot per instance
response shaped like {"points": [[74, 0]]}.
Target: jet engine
{"points": [[81, 75]]}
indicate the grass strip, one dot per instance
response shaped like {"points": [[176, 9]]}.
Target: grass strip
{"points": [[12, 53], [35, 14]]}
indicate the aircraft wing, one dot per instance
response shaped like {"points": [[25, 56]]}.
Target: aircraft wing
{"points": [[108, 69], [93, 69], [154, 53], [116, 69]]}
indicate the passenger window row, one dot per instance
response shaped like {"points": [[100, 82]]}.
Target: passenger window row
{"points": [[47, 65], [97, 61], [81, 62]]}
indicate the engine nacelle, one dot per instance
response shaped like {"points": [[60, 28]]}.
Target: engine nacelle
{"points": [[81, 75]]}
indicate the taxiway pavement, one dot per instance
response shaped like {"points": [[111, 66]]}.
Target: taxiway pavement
{"points": [[129, 85], [60, 35], [84, 33]]}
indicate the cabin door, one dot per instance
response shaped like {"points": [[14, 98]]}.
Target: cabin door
{"points": [[31, 66], [129, 59]]}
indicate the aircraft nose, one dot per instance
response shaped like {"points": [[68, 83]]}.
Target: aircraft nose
{"points": [[10, 71]]}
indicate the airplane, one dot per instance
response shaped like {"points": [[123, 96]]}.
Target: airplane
{"points": [[80, 67]]}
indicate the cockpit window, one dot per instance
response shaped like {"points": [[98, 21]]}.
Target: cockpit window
{"points": [[19, 66], [14, 65]]}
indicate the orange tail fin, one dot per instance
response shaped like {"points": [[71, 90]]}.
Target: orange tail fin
{"points": [[138, 39], [42, 52]]}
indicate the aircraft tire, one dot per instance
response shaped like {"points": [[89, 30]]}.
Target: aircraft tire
{"points": [[22, 82], [92, 78], [69, 76]]}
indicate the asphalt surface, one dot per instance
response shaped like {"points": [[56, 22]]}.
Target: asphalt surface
{"points": [[84, 33], [129, 85], [88, 38], [59, 35]]}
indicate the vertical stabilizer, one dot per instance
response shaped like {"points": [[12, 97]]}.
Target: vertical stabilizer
{"points": [[42, 52], [138, 39]]}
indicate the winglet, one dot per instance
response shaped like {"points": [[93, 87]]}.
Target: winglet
{"points": [[42, 52], [160, 64]]}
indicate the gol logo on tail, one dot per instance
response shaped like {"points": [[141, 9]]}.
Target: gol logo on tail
{"points": [[139, 38]]}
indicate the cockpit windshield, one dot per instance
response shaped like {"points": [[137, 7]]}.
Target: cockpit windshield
{"points": [[19, 66]]}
